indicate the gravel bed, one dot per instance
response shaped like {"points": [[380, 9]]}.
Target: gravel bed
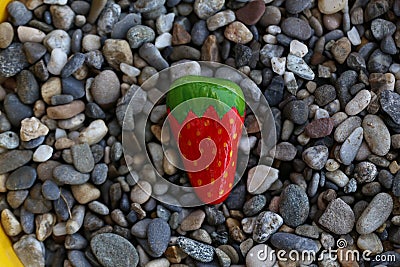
{"points": [[326, 179]]}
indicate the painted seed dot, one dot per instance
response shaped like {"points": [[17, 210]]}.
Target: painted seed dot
{"points": [[199, 182], [212, 180], [231, 154], [230, 185], [198, 133], [219, 163], [234, 136], [195, 163], [221, 192], [225, 174], [219, 131], [231, 121], [188, 126], [209, 195], [233, 163], [225, 144], [189, 143]]}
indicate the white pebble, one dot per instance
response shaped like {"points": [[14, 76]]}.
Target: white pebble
{"points": [[297, 48], [270, 39], [274, 29], [163, 40], [278, 65], [354, 36], [129, 70], [58, 59], [42, 153]]}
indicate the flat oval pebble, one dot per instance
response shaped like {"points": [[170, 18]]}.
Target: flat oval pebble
{"points": [[288, 241], [22, 178], [205, 9], [344, 129], [7, 34], [251, 13], [360, 101], [260, 179], [349, 149], [140, 34], [293, 205], [376, 213], [158, 236], [238, 33], [296, 28], [108, 248], [319, 128], [66, 174], [376, 135], [14, 159], [253, 259]]}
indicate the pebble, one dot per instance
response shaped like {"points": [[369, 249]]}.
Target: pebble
{"points": [[388, 100], [254, 205], [66, 174], [12, 60], [298, 49], [144, 6], [284, 151], [9, 140], [108, 248], [193, 221], [296, 111], [7, 34], [341, 49], [158, 235], [205, 9], [376, 213], [278, 65], [199, 32], [141, 192], [122, 27], [251, 13], [63, 17], [370, 242], [295, 7], [165, 22], [82, 158], [30, 251], [381, 28], [19, 14], [376, 135], [299, 67], [293, 205], [319, 128], [349, 149], [196, 250], [331, 7], [365, 172], [238, 33], [57, 61], [32, 128], [266, 224], [260, 179], [50, 190], [105, 88], [338, 217], [66, 111], [360, 101], [14, 159], [288, 241], [379, 62], [10, 223], [108, 18], [296, 28], [220, 19], [354, 36], [94, 133], [325, 94], [315, 157], [254, 260], [139, 35], [179, 35], [151, 55], [42, 153], [345, 128]]}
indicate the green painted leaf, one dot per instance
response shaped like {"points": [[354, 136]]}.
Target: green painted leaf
{"points": [[202, 89]]}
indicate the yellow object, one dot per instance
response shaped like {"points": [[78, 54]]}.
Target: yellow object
{"points": [[3, 9], [7, 254]]}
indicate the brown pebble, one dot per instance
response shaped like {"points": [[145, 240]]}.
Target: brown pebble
{"points": [[272, 16], [319, 128], [332, 21], [238, 33], [341, 49], [179, 35], [251, 13], [210, 49], [66, 111]]}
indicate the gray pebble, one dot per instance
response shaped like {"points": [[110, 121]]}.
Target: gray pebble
{"points": [[325, 94], [22, 178], [12, 59], [108, 249], [94, 59], [214, 216], [50, 190], [349, 149], [294, 206], [296, 28], [144, 6], [82, 158], [61, 100], [27, 87], [66, 174], [34, 51], [379, 62], [254, 205], [296, 111], [122, 27], [381, 28], [19, 14], [266, 224], [152, 56], [289, 241], [139, 229], [158, 235], [108, 18], [139, 35], [338, 217], [299, 67], [73, 64], [75, 241], [27, 220], [9, 140], [295, 6]]}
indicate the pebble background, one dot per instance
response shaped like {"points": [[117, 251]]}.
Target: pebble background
{"points": [[329, 69]]}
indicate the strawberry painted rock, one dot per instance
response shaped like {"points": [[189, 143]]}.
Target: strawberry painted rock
{"points": [[206, 117]]}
